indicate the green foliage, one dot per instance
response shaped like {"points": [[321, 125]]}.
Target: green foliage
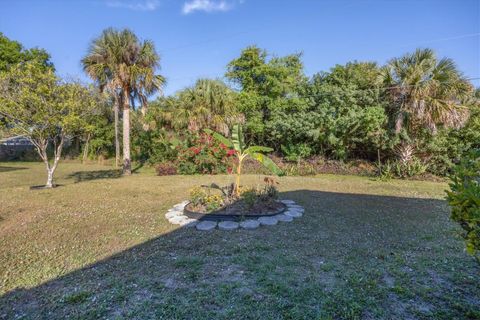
{"points": [[201, 197], [242, 152], [203, 154], [98, 139], [208, 104], [37, 105], [296, 152], [450, 145], [13, 53], [400, 169], [464, 199]]}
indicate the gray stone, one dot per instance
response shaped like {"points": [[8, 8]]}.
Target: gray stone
{"points": [[228, 225], [293, 213], [295, 207], [283, 218], [188, 223], [287, 201], [172, 214], [179, 206], [206, 225], [177, 219], [250, 224], [268, 221]]}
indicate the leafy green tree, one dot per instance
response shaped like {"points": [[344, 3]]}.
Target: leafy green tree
{"points": [[427, 92], [237, 143], [352, 116], [125, 66], [263, 82], [45, 110], [97, 140], [12, 53]]}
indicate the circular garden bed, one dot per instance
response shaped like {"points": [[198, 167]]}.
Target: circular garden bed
{"points": [[230, 218]]}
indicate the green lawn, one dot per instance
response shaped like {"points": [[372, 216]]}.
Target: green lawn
{"points": [[100, 247]]}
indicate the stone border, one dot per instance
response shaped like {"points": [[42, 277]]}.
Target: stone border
{"points": [[176, 216]]}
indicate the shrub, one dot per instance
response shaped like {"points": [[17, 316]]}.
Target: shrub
{"points": [[402, 169], [464, 199], [204, 200], [409, 169], [205, 155], [166, 169]]}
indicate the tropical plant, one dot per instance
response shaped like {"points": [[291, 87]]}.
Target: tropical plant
{"points": [[237, 143], [124, 66], [464, 199], [208, 104], [425, 92], [37, 105]]}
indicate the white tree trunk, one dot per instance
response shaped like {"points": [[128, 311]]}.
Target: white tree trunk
{"points": [[50, 172]]}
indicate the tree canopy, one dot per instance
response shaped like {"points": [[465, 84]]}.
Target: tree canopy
{"points": [[13, 52]]}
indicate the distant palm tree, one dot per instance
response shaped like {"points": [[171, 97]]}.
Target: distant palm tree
{"points": [[426, 92], [125, 67], [208, 104]]}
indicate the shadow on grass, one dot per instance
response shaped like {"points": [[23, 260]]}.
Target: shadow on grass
{"points": [[81, 176], [263, 273], [7, 169]]}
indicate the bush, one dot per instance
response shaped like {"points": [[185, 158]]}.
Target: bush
{"points": [[204, 200], [401, 169], [464, 199], [204, 156], [166, 169]]}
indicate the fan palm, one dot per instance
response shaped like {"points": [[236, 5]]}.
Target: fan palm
{"points": [[125, 67], [426, 91], [208, 104]]}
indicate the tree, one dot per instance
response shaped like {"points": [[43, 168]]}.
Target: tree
{"points": [[237, 143], [124, 66], [425, 92], [344, 115], [37, 105], [263, 82], [12, 53], [208, 104]]}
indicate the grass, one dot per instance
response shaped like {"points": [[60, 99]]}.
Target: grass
{"points": [[100, 247]]}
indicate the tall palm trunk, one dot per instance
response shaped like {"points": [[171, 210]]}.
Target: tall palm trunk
{"points": [[127, 166], [116, 108]]}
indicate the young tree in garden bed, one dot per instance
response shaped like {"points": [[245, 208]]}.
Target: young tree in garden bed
{"points": [[237, 143], [47, 111]]}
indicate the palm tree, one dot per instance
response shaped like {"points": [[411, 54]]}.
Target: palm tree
{"points": [[425, 92], [208, 104], [125, 67]]}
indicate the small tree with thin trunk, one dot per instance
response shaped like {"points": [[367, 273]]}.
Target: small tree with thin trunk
{"points": [[37, 105]]}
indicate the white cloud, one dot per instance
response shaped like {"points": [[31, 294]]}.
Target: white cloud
{"points": [[137, 5], [206, 6]]}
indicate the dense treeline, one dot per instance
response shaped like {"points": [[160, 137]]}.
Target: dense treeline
{"points": [[415, 114]]}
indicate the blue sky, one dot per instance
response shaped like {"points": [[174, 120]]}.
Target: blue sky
{"points": [[197, 38]]}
